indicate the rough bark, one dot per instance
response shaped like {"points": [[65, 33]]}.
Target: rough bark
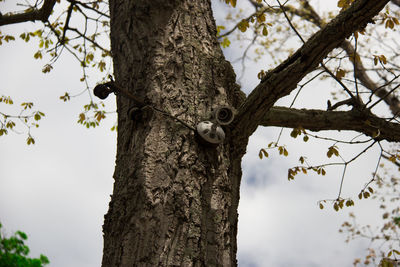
{"points": [[321, 120], [283, 79], [175, 200]]}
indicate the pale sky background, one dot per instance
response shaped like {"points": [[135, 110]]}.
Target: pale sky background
{"points": [[57, 191]]}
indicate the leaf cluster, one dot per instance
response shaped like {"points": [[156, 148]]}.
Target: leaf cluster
{"points": [[14, 252], [27, 117]]}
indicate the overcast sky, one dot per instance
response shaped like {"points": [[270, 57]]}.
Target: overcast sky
{"points": [[57, 191]]}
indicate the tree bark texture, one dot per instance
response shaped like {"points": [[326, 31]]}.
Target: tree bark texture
{"points": [[321, 120], [175, 200]]}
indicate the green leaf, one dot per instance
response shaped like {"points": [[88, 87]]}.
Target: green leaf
{"points": [[22, 235], [44, 259], [225, 42]]}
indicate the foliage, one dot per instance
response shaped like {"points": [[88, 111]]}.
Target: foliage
{"points": [[80, 29], [384, 238], [14, 252], [27, 117]]}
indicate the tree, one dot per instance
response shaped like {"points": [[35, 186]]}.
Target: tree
{"points": [[175, 199], [13, 252]]}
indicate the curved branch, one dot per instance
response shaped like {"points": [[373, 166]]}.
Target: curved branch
{"points": [[360, 71], [284, 78], [321, 120], [41, 14]]}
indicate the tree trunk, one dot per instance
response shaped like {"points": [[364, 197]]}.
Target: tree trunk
{"points": [[175, 200]]}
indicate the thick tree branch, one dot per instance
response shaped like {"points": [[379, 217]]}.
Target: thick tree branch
{"points": [[29, 15], [320, 120], [360, 71], [284, 78]]}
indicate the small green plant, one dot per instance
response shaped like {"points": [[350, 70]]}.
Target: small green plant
{"points": [[13, 252]]}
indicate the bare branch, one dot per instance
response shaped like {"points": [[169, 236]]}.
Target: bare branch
{"points": [[66, 27], [321, 120], [90, 8], [41, 14]]}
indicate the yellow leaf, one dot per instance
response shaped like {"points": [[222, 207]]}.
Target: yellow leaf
{"points": [[340, 74], [261, 18], [336, 207], [354, 56], [225, 42], [260, 76], [243, 25], [265, 31], [389, 24], [382, 59]]}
